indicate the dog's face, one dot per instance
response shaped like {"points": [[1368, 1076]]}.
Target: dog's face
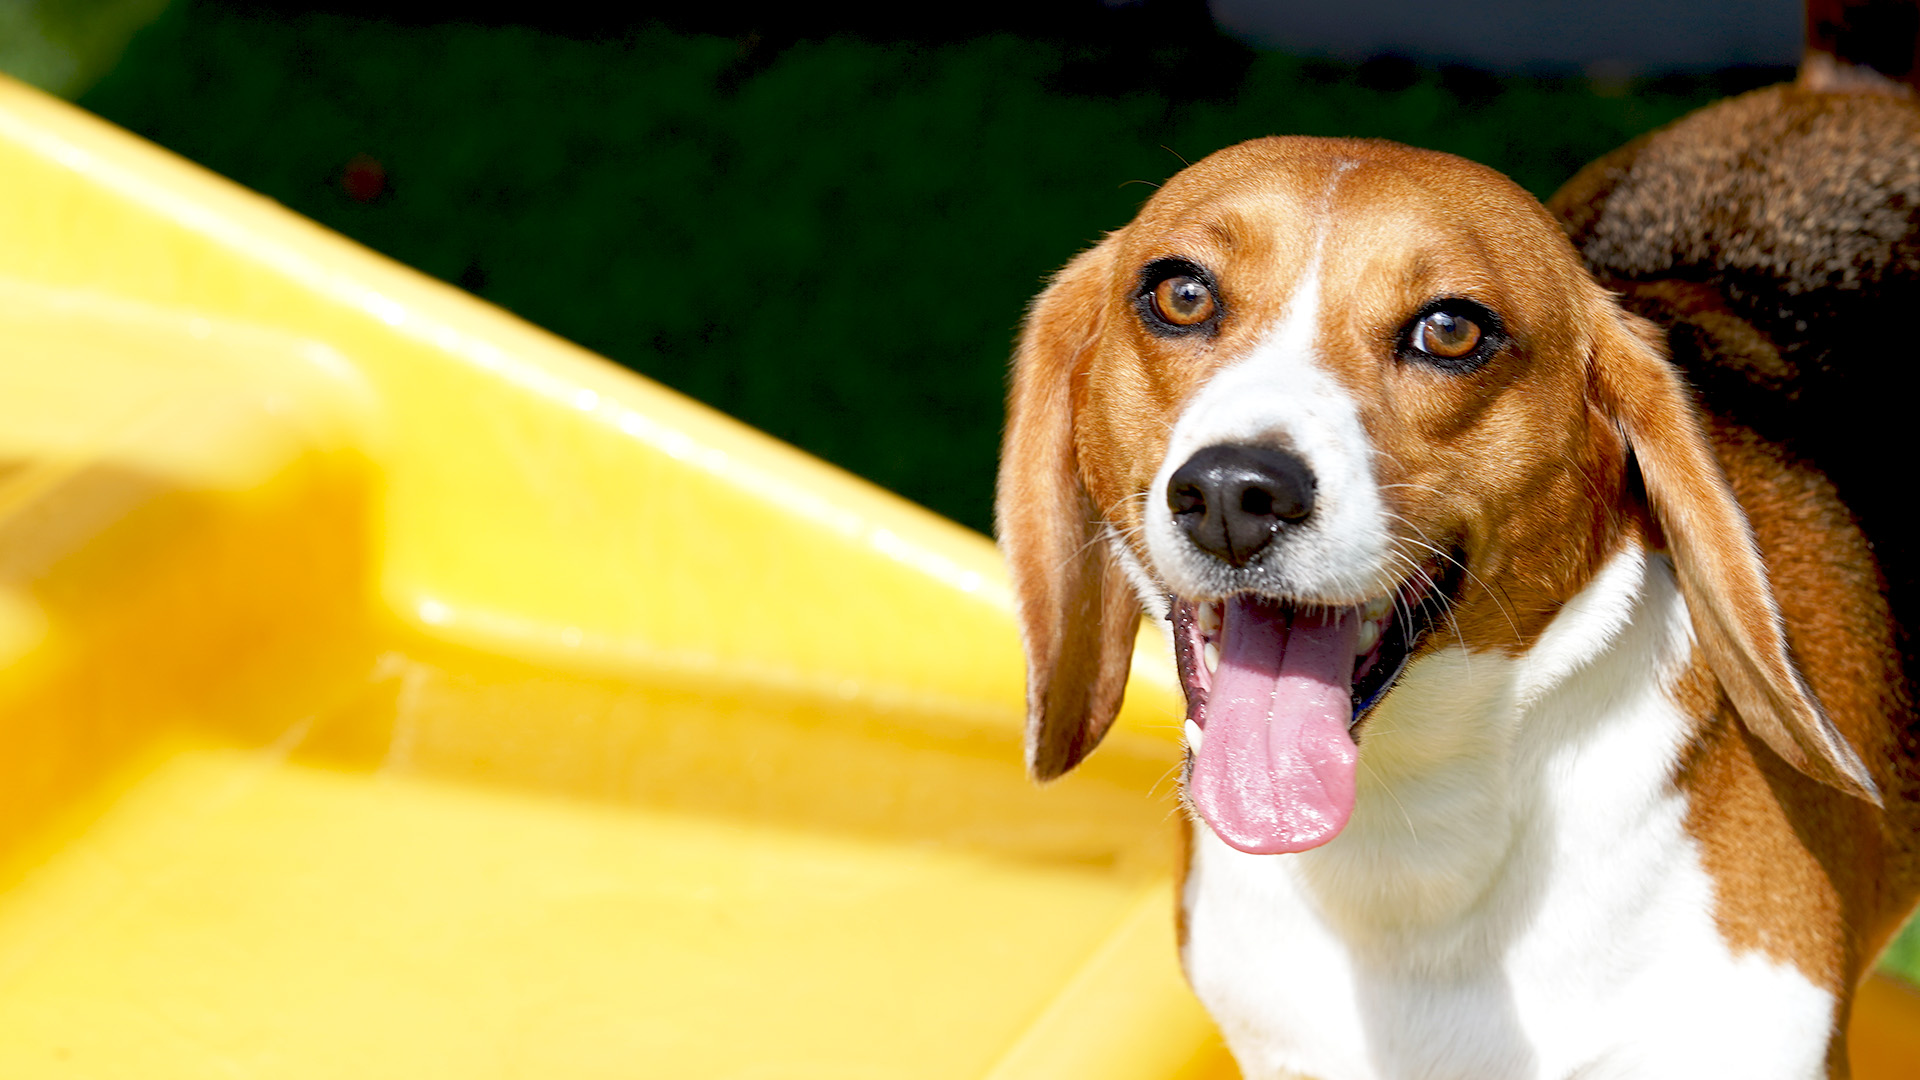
{"points": [[1332, 406]]}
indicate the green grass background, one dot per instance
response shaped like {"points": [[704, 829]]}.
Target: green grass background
{"points": [[836, 247], [832, 240]]}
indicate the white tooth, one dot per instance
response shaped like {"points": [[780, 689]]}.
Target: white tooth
{"points": [[1211, 654], [1376, 607], [1369, 637], [1195, 736], [1209, 619]]}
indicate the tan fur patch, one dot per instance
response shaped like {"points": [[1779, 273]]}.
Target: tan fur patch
{"points": [[1773, 236], [1807, 875]]}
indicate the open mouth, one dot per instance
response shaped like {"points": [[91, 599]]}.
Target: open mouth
{"points": [[1274, 690]]}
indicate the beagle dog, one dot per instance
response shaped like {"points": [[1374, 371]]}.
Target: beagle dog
{"points": [[1546, 711]]}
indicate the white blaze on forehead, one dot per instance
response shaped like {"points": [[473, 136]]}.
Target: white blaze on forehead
{"points": [[1281, 394]]}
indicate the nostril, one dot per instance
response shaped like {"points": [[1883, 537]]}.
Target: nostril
{"points": [[1284, 492], [1186, 499]]}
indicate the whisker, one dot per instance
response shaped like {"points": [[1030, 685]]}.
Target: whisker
{"points": [[1172, 775], [1411, 484], [1388, 788], [1493, 594]]}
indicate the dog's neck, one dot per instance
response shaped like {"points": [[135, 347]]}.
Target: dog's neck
{"points": [[1516, 894], [1490, 781]]}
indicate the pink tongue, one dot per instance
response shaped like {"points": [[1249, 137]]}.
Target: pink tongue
{"points": [[1275, 771]]}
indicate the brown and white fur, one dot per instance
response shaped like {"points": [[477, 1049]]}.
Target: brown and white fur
{"points": [[1642, 801]]}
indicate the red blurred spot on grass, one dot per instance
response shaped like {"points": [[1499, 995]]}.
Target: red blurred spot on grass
{"points": [[364, 179]]}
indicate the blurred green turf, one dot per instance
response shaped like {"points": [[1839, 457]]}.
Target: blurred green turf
{"points": [[835, 243], [1902, 957], [64, 46], [835, 246]]}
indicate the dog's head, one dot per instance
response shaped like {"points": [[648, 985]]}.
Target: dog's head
{"points": [[1331, 406]]}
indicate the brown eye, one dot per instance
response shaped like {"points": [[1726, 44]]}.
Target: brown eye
{"points": [[1183, 301], [1447, 335]]}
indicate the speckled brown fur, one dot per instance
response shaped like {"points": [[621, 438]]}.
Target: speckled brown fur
{"points": [[1776, 237], [1798, 215]]}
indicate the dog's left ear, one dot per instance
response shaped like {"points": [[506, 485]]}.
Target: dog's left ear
{"points": [[1729, 598], [1078, 614]]}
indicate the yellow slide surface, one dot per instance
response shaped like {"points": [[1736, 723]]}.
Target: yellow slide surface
{"points": [[391, 689]]}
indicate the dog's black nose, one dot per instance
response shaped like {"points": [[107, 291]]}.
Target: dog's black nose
{"points": [[1232, 499]]}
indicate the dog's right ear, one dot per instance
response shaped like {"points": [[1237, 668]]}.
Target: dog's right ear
{"points": [[1078, 614]]}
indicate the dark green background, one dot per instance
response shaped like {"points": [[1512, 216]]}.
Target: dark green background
{"points": [[832, 237]]}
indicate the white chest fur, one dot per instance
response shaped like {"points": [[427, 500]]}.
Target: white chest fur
{"points": [[1515, 896]]}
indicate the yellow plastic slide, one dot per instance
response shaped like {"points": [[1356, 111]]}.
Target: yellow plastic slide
{"points": [[390, 689]]}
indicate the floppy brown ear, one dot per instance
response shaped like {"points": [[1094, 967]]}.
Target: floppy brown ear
{"points": [[1729, 598], [1078, 615]]}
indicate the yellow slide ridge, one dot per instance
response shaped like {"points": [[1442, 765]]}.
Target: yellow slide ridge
{"points": [[391, 689]]}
